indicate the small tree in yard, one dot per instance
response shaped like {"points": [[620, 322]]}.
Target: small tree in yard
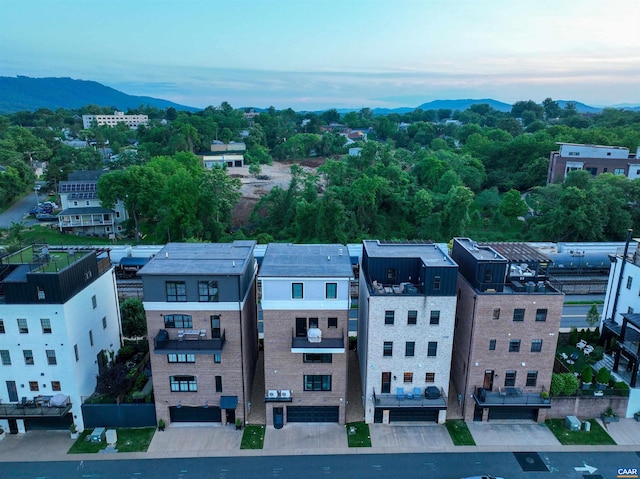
{"points": [[134, 320], [112, 381], [255, 169], [593, 316], [571, 384], [557, 384]]}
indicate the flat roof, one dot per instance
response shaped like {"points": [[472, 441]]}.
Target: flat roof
{"points": [[201, 259], [592, 146], [306, 260], [519, 252], [481, 252], [428, 251]]}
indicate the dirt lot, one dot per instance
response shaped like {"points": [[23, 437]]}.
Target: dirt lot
{"points": [[253, 189]]}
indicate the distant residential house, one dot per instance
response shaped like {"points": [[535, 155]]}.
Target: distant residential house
{"points": [[132, 121], [229, 154], [82, 211], [596, 159]]}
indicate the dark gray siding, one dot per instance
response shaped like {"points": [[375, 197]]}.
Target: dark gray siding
{"points": [[154, 288]]}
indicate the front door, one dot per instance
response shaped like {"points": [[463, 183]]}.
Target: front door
{"points": [[13, 391], [488, 380], [386, 382], [278, 417], [231, 416]]}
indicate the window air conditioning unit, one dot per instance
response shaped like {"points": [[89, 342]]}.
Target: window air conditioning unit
{"points": [[272, 393], [285, 393]]}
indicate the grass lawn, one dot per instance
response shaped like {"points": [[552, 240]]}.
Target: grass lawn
{"points": [[129, 440], [253, 437], [596, 437], [358, 434], [459, 432]]}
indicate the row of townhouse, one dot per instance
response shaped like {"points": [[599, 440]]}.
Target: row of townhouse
{"points": [[475, 329]]}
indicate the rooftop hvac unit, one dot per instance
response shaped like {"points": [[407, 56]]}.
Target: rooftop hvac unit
{"points": [[272, 393], [285, 393]]}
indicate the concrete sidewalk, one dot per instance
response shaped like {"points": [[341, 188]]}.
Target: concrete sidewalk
{"points": [[317, 439]]}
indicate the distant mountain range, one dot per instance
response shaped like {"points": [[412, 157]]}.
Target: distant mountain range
{"points": [[25, 93]]}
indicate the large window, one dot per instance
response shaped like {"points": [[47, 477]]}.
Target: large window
{"points": [[387, 348], [518, 314], [176, 291], [407, 377], [317, 382], [208, 291], [28, 357], [218, 384], [178, 321], [496, 313], [541, 314], [55, 386], [432, 348], [297, 290], [183, 384], [536, 345], [23, 327], [389, 317], [629, 281], [410, 348], [412, 317], [5, 357], [492, 345], [317, 358], [509, 378], [216, 331], [331, 291], [434, 318], [51, 357], [33, 386], [46, 325], [332, 323], [181, 358], [532, 378], [429, 377], [514, 346]]}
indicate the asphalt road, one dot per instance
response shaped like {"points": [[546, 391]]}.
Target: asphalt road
{"points": [[19, 211], [509, 465], [575, 315]]}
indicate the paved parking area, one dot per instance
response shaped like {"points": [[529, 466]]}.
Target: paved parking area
{"points": [[512, 436]]}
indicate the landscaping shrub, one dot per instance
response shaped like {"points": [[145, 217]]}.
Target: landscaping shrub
{"points": [[557, 384], [587, 375], [603, 376], [571, 384], [126, 352], [622, 387], [573, 337]]}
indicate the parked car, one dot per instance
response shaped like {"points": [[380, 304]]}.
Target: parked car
{"points": [[46, 217]]}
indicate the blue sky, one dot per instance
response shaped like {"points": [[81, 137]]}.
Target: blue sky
{"points": [[308, 54]]}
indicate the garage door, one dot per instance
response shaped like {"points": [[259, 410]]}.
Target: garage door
{"points": [[413, 414], [313, 414], [195, 414], [513, 413]]}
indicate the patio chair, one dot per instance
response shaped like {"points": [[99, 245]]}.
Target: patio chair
{"points": [[588, 349], [503, 394], [581, 344], [564, 356], [23, 402], [417, 392], [400, 393]]}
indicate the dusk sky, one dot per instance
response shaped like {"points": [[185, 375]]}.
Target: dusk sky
{"points": [[312, 55]]}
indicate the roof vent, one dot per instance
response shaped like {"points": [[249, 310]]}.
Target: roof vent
{"points": [[166, 254], [328, 258], [233, 263]]}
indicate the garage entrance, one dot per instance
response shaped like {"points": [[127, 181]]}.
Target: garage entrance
{"points": [[524, 413], [407, 414], [195, 414], [313, 414]]}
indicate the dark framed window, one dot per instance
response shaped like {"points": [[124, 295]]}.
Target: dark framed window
{"points": [[541, 314], [208, 291], [23, 327], [216, 331], [5, 357], [317, 358], [514, 346], [434, 317], [176, 291], [2, 331], [492, 345], [387, 348], [94, 301], [91, 337], [75, 352], [55, 386], [532, 378], [331, 291], [410, 348], [51, 357], [33, 386], [178, 321], [28, 357], [509, 378], [183, 384], [496, 313], [217, 358], [389, 317], [218, 384], [436, 283], [518, 314], [313, 323], [181, 358], [46, 325], [430, 377], [432, 348], [104, 322], [536, 345], [332, 323], [412, 317], [407, 377], [317, 382], [297, 291], [629, 281]]}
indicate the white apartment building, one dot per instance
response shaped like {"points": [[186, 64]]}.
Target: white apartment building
{"points": [[406, 320], [59, 323], [132, 121]]}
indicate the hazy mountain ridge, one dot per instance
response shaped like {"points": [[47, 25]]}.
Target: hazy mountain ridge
{"points": [[25, 93]]}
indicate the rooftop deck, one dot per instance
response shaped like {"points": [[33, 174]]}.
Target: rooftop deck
{"points": [[383, 400], [43, 258], [514, 397], [197, 345]]}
